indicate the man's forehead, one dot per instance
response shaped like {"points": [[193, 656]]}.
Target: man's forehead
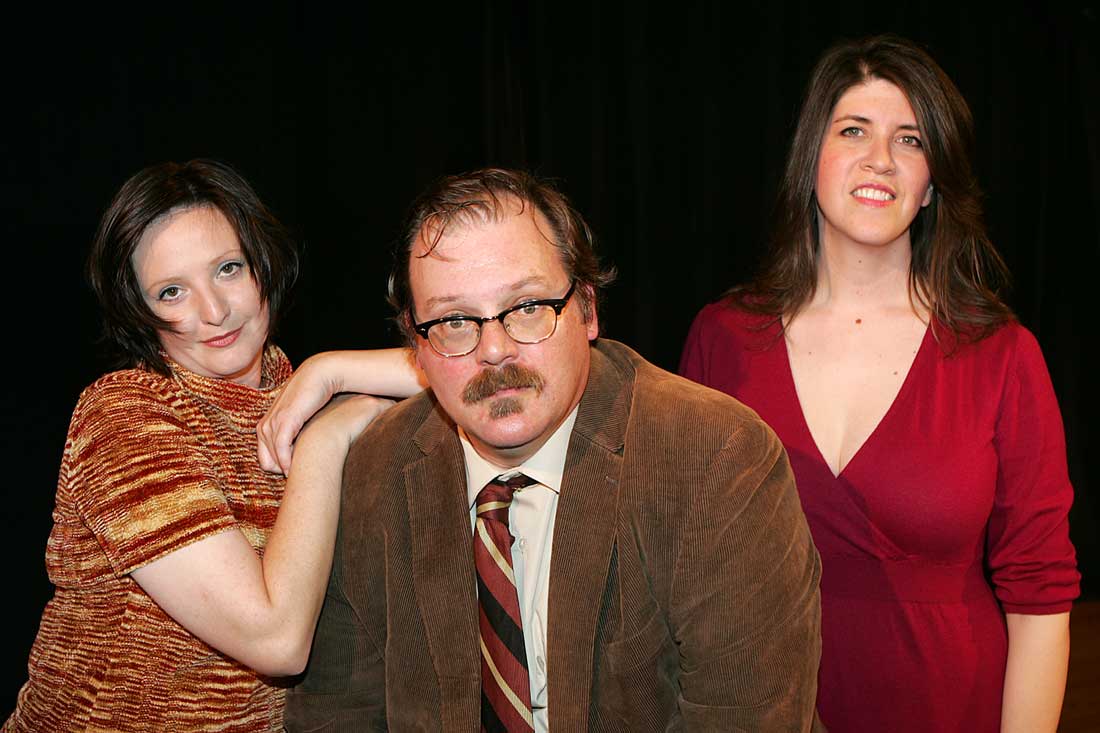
{"points": [[482, 263], [534, 280]]}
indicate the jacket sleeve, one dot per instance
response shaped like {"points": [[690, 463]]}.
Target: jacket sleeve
{"points": [[344, 685], [747, 615]]}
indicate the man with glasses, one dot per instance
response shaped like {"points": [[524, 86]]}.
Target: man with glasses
{"points": [[557, 532]]}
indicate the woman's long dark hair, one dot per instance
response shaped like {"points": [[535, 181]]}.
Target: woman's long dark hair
{"points": [[955, 271]]}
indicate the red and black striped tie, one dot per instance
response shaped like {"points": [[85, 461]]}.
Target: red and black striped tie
{"points": [[505, 681]]}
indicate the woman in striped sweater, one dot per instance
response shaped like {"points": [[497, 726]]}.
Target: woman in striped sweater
{"points": [[187, 579]]}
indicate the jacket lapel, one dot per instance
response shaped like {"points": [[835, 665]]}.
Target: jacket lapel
{"points": [[584, 538], [443, 566]]}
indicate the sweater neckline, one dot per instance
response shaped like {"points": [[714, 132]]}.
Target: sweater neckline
{"points": [[241, 404]]}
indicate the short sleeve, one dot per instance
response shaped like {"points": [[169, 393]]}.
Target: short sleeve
{"points": [[1031, 560], [140, 480]]}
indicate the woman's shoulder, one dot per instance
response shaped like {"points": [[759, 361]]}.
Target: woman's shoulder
{"points": [[1015, 336], [1010, 344], [723, 337], [731, 321], [732, 314], [128, 394], [120, 418], [1006, 360], [136, 381]]}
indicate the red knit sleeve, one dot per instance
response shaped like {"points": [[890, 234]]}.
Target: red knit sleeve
{"points": [[139, 478], [1031, 559]]}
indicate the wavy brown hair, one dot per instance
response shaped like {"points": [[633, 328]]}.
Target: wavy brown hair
{"points": [[484, 195], [954, 270]]}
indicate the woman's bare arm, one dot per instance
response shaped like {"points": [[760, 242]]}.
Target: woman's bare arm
{"points": [[1035, 678], [262, 611]]}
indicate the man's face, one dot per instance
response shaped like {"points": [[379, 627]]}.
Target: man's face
{"points": [[479, 269]]}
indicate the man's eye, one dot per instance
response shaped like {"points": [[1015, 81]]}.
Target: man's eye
{"points": [[456, 325]]}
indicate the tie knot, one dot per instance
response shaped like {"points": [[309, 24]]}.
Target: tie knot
{"points": [[497, 496]]}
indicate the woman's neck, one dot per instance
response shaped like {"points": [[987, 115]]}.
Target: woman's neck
{"points": [[852, 276]]}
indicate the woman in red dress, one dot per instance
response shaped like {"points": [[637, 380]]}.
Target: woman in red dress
{"points": [[917, 413]]}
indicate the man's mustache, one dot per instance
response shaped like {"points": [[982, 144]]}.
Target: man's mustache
{"points": [[510, 376]]}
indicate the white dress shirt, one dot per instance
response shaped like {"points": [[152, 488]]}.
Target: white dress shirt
{"points": [[531, 522]]}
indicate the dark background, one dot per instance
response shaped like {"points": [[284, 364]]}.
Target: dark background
{"points": [[666, 125]]}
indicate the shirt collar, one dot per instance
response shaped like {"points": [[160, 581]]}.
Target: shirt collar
{"points": [[546, 466]]}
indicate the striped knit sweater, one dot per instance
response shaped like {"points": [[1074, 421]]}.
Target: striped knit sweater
{"points": [[150, 465]]}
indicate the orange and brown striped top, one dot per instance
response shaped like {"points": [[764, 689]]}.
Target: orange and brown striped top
{"points": [[151, 464]]}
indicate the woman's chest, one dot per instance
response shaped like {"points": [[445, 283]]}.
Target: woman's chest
{"points": [[923, 480]]}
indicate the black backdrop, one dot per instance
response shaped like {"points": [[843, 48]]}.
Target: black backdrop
{"points": [[667, 126]]}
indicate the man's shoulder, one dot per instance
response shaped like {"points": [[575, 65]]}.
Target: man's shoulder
{"points": [[683, 412], [676, 397], [682, 434], [396, 426], [378, 460]]}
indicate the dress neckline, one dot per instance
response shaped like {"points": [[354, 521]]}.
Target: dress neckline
{"points": [[927, 342]]}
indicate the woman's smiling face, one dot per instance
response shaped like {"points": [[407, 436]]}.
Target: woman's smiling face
{"points": [[872, 174], [192, 273]]}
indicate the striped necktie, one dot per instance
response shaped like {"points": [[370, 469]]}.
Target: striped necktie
{"points": [[505, 681]]}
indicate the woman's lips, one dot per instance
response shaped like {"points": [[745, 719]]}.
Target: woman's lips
{"points": [[224, 340], [873, 195]]}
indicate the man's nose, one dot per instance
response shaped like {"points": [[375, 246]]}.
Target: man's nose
{"points": [[496, 346]]}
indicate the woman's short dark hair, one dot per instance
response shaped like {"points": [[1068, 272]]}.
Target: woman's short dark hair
{"points": [[480, 196], [955, 270], [129, 325]]}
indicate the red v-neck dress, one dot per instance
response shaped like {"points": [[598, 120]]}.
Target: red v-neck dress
{"points": [[953, 512]]}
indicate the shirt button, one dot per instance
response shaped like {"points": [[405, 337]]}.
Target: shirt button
{"points": [[523, 544]]}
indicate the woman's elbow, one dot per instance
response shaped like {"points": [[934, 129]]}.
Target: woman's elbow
{"points": [[284, 657]]}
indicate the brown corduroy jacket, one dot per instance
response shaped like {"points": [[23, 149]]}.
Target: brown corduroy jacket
{"points": [[683, 581]]}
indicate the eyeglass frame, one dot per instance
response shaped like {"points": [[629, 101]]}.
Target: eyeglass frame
{"points": [[558, 304]]}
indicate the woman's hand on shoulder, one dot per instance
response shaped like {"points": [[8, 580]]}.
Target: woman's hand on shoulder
{"points": [[303, 395], [389, 372], [341, 421]]}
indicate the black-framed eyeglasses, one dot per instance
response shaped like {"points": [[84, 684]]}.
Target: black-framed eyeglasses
{"points": [[527, 323]]}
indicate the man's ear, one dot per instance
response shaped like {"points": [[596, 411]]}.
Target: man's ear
{"points": [[413, 339], [591, 318]]}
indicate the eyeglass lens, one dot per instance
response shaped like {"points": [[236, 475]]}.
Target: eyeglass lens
{"points": [[527, 325]]}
